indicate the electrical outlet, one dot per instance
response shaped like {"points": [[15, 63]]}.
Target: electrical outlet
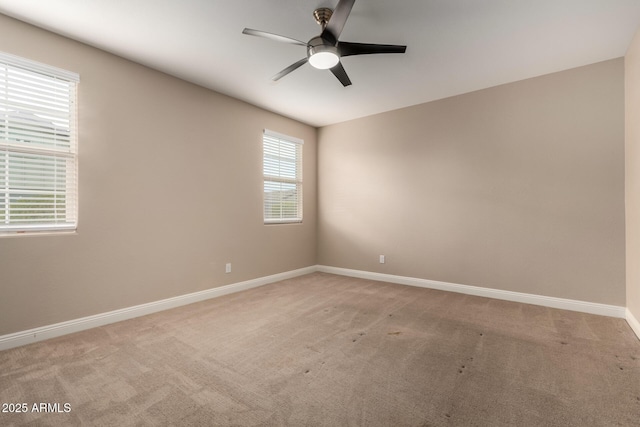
{"points": [[227, 268], [381, 259]]}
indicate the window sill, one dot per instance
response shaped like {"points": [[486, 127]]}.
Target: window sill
{"points": [[11, 234], [283, 222]]}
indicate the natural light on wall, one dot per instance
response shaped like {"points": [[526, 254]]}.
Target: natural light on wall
{"points": [[282, 169], [38, 147]]}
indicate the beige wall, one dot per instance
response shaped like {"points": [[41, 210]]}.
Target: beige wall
{"points": [[518, 187], [170, 190], [632, 178]]}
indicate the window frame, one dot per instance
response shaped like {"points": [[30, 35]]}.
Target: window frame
{"points": [[38, 147], [283, 178]]}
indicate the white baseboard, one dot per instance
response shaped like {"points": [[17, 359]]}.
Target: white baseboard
{"points": [[633, 322], [561, 303], [51, 331]]}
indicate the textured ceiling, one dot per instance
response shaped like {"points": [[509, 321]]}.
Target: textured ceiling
{"points": [[454, 46]]}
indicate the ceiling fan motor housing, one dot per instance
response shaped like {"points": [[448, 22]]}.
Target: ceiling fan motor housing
{"points": [[322, 54]]}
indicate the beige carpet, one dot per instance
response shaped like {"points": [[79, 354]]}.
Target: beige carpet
{"points": [[335, 351]]}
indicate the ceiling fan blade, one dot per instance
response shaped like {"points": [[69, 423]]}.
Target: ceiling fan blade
{"points": [[348, 49], [341, 74], [289, 69], [271, 36], [336, 23]]}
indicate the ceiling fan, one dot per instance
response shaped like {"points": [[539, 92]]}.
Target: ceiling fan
{"points": [[324, 51]]}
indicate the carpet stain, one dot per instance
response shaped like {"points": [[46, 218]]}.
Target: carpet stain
{"points": [[312, 348]]}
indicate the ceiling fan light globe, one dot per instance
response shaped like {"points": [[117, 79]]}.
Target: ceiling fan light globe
{"points": [[324, 60]]}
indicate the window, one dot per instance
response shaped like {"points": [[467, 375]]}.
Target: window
{"points": [[282, 160], [38, 147]]}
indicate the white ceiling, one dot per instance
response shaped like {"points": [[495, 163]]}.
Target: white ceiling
{"points": [[454, 46]]}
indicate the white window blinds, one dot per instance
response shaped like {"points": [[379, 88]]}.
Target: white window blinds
{"points": [[38, 147], [282, 164]]}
